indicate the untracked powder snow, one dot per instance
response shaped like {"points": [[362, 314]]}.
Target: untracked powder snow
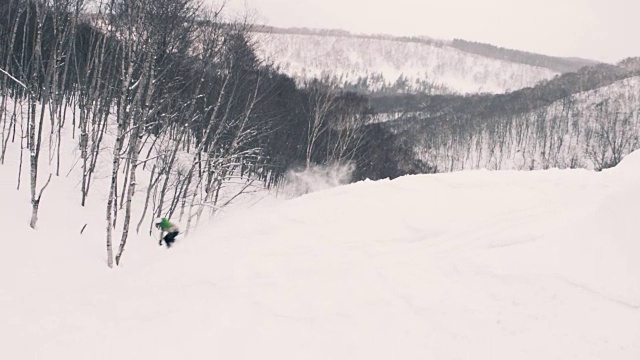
{"points": [[466, 265]]}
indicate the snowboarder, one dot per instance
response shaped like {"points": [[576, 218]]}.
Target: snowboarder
{"points": [[166, 227]]}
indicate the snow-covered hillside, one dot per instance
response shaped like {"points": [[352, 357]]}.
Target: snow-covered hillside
{"points": [[385, 62], [592, 129], [480, 264]]}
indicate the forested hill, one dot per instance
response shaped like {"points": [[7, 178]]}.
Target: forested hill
{"points": [[391, 64], [587, 119], [522, 100]]}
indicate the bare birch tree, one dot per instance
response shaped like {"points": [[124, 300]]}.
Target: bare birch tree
{"points": [[322, 99]]}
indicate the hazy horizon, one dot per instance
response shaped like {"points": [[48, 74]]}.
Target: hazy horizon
{"points": [[592, 29]]}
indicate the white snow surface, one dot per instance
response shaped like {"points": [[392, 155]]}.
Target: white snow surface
{"points": [[467, 265]]}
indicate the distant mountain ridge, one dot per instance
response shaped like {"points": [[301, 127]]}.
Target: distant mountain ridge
{"points": [[559, 64], [393, 64], [344, 33]]}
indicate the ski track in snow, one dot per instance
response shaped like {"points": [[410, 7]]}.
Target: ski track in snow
{"points": [[478, 264]]}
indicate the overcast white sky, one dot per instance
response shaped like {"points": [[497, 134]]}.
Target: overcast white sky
{"points": [[606, 30]]}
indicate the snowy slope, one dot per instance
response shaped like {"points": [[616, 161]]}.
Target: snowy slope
{"points": [[384, 61], [480, 264]]}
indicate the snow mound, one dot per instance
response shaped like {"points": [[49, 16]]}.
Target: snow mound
{"points": [[478, 264], [606, 242], [629, 166]]}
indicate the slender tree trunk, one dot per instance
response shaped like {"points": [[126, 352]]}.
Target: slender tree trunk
{"points": [[127, 72], [134, 151], [153, 181], [32, 101], [112, 193]]}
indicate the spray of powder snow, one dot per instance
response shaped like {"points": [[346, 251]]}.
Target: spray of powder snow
{"points": [[315, 178]]}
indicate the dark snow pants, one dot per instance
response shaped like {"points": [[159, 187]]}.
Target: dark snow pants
{"points": [[170, 238]]}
